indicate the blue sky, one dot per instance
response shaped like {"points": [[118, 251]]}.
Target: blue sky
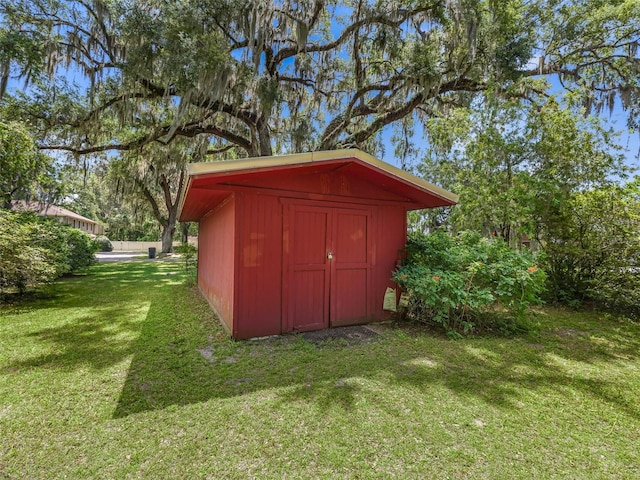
{"points": [[629, 141], [617, 120]]}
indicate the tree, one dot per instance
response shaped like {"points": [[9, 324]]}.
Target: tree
{"points": [[36, 250], [594, 254], [255, 78], [516, 167], [480, 154], [157, 175], [552, 176], [273, 76], [30, 252], [23, 166], [88, 193], [96, 191]]}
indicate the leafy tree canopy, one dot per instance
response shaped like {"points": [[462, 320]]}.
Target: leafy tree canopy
{"points": [[24, 169], [264, 77], [551, 177], [167, 82], [516, 168]]}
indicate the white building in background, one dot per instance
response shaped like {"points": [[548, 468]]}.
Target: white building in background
{"points": [[62, 214]]}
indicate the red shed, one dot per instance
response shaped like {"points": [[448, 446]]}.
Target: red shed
{"points": [[301, 242]]}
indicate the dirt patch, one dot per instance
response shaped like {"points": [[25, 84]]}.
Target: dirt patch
{"points": [[346, 335], [207, 354]]}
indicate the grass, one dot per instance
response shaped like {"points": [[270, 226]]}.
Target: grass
{"points": [[125, 373]]}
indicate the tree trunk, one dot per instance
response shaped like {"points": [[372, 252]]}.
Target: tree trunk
{"points": [[168, 223], [184, 236], [167, 237], [169, 228]]}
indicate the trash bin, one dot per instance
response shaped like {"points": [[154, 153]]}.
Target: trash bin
{"points": [[152, 252]]}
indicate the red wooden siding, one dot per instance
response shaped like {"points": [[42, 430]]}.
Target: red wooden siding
{"points": [[303, 244], [320, 180], [391, 235], [259, 273], [283, 279], [307, 231], [216, 259], [327, 265], [319, 175], [351, 267]]}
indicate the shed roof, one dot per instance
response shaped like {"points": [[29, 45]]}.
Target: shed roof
{"points": [[201, 194], [48, 210]]}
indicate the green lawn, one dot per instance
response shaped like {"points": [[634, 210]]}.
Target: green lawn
{"points": [[125, 373]]}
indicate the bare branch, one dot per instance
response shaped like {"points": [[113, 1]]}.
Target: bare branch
{"points": [[386, 119], [381, 19], [190, 130], [151, 199]]}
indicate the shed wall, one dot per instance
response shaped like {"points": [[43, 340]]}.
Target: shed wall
{"points": [[216, 259], [241, 258], [260, 265], [391, 237], [259, 276]]}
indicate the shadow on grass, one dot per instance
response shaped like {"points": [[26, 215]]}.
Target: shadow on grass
{"points": [[181, 356], [87, 321], [93, 341], [186, 361]]}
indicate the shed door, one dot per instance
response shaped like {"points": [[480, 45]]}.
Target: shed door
{"points": [[328, 274], [350, 267]]}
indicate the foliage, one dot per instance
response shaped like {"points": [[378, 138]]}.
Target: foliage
{"points": [[233, 79], [132, 222], [515, 167], [86, 190], [32, 251], [461, 282], [190, 254], [594, 254], [23, 168], [101, 191], [36, 250], [135, 195], [546, 175], [258, 77], [103, 244], [165, 83], [105, 190], [81, 249], [155, 176]]}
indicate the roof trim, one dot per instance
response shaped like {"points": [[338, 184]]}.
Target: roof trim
{"points": [[204, 168], [50, 210], [201, 169]]}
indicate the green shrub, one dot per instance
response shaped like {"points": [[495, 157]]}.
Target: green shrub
{"points": [[81, 249], [190, 255], [36, 250], [594, 257], [466, 281], [103, 244], [32, 251]]}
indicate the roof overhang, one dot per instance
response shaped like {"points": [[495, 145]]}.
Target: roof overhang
{"points": [[209, 183], [48, 210]]}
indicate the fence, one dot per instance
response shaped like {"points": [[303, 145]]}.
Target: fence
{"points": [[125, 246]]}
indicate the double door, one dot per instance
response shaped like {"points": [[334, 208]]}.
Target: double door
{"points": [[327, 266]]}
